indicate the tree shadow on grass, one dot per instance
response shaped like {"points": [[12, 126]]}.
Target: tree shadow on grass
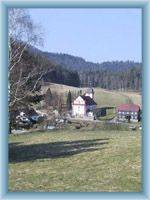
{"points": [[31, 152]]}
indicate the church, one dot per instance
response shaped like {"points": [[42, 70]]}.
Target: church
{"points": [[83, 105]]}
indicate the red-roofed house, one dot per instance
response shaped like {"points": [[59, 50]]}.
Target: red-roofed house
{"points": [[129, 111]]}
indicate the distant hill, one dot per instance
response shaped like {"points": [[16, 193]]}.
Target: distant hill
{"points": [[76, 71], [124, 75], [56, 73], [75, 63], [79, 64]]}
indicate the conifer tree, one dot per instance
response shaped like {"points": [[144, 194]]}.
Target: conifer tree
{"points": [[69, 101], [48, 97]]}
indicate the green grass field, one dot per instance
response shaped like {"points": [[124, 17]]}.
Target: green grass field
{"points": [[71, 160]]}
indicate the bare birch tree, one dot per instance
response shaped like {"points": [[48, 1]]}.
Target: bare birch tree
{"points": [[22, 33]]}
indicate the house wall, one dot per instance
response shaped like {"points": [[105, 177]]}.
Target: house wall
{"points": [[90, 107], [78, 110], [134, 115], [78, 107]]}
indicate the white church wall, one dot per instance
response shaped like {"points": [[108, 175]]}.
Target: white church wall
{"points": [[79, 100], [78, 110], [78, 107]]}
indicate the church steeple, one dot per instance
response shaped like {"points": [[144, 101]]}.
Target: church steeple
{"points": [[90, 91]]}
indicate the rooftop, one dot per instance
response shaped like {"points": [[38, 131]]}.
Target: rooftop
{"points": [[129, 107], [88, 100]]}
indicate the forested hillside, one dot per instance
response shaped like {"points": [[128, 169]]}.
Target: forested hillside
{"points": [[108, 75], [62, 76], [129, 79], [55, 72], [79, 64], [75, 71]]}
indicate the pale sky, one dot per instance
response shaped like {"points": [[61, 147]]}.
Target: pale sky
{"points": [[97, 35]]}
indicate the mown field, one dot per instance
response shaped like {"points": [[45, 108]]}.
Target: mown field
{"points": [[102, 97], [74, 160]]}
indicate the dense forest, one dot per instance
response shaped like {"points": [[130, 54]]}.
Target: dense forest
{"points": [[108, 75], [55, 72], [61, 75], [75, 71], [79, 64], [129, 79]]}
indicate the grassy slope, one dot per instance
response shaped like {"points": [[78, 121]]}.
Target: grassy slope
{"points": [[102, 97], [69, 161], [134, 96]]}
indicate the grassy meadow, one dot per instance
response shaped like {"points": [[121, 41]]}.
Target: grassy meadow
{"points": [[75, 160], [102, 97], [95, 158]]}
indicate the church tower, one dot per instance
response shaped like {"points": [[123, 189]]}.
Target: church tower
{"points": [[90, 91]]}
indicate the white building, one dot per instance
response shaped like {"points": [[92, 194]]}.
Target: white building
{"points": [[84, 104]]}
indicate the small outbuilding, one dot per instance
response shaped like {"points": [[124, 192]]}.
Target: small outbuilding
{"points": [[99, 112], [129, 112]]}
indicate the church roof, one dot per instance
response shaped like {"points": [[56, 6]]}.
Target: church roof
{"points": [[88, 100]]}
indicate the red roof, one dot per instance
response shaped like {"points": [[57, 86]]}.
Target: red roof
{"points": [[128, 107]]}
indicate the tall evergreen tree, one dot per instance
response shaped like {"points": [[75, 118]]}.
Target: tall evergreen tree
{"points": [[79, 92], [69, 101], [48, 97]]}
